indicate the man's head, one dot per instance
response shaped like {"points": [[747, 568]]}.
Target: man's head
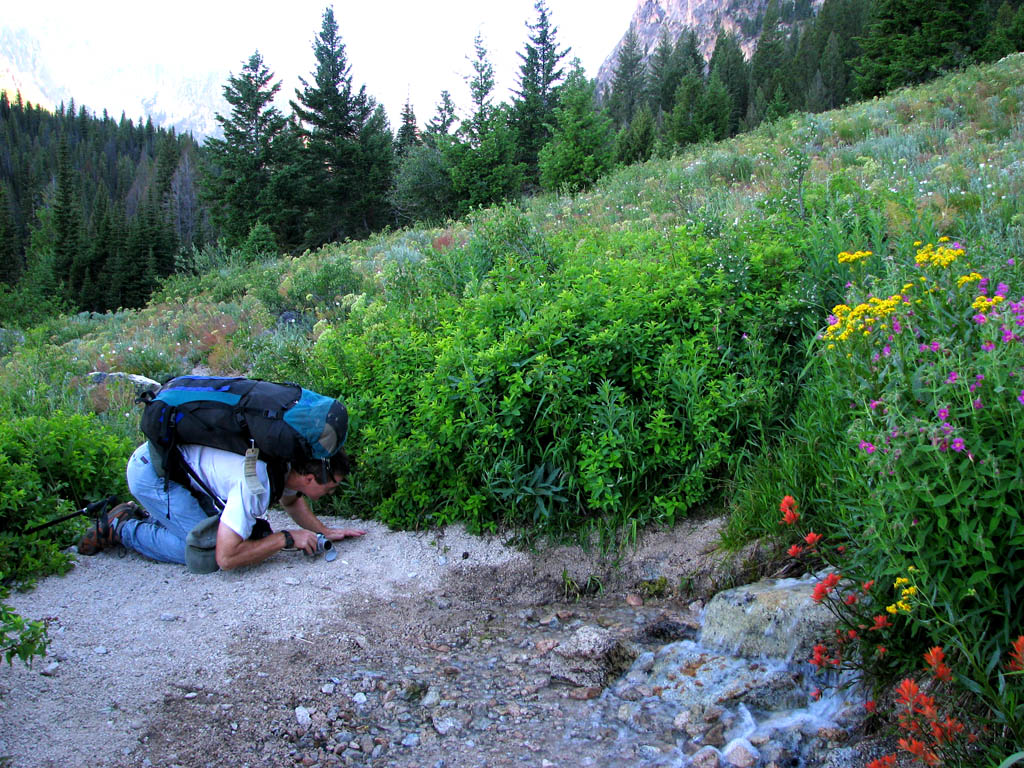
{"points": [[318, 477]]}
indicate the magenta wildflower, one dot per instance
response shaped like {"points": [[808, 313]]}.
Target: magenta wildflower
{"points": [[1010, 262], [1002, 289], [1020, 397], [874, 404], [946, 427], [988, 346], [979, 319], [832, 319], [886, 350], [896, 327], [952, 377], [935, 346], [922, 348], [943, 413], [958, 444], [869, 448], [977, 404]]}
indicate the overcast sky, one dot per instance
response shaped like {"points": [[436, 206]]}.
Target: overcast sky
{"points": [[396, 48]]}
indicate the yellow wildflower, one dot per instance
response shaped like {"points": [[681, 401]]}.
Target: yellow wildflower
{"points": [[984, 303], [973, 277], [846, 257], [941, 256]]}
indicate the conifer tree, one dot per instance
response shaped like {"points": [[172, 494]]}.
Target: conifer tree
{"points": [[539, 77], [911, 41], [408, 134], [635, 142], [423, 188], [770, 64], [728, 64], [687, 121], [717, 109], [482, 161], [67, 223], [10, 262], [332, 116], [628, 80], [664, 74], [582, 147], [1006, 33], [243, 161], [444, 118]]}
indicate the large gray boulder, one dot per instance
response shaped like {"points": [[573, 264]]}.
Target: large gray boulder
{"points": [[770, 619]]}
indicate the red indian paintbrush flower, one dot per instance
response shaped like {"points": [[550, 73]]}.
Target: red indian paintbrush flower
{"points": [[812, 538], [1016, 662], [788, 508], [881, 622], [935, 658]]}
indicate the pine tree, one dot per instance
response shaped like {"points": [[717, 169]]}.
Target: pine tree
{"points": [[1006, 33], [582, 147], [482, 158], [67, 223], [242, 161], [628, 80], [912, 41], [10, 261], [370, 209], [332, 116], [537, 97], [664, 74], [770, 65], [728, 64], [717, 109], [423, 189], [635, 142], [481, 86], [444, 118], [687, 122], [408, 134]]}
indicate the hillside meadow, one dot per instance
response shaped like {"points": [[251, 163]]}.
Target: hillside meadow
{"points": [[816, 328]]}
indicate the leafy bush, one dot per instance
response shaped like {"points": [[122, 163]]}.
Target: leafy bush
{"points": [[18, 637], [314, 283], [610, 392], [49, 467]]}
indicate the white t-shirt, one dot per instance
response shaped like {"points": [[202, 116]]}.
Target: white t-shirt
{"points": [[223, 473]]}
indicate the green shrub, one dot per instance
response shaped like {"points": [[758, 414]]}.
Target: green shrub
{"points": [[608, 393], [18, 637], [50, 466]]}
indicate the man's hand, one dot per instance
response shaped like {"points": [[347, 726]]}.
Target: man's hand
{"points": [[337, 534], [304, 540]]}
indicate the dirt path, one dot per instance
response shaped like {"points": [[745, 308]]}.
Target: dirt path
{"points": [[150, 665]]}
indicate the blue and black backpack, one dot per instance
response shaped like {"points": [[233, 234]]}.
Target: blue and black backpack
{"points": [[287, 423]]}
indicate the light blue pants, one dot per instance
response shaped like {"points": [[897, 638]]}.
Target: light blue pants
{"points": [[173, 512]]}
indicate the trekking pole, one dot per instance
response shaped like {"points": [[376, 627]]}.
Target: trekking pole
{"points": [[95, 509]]}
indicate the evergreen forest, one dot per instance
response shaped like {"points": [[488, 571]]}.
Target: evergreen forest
{"points": [[95, 212]]}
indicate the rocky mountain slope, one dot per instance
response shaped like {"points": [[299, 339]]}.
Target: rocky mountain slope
{"points": [[707, 17]]}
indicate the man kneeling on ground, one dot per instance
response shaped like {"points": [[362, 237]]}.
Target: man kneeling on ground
{"points": [[170, 510]]}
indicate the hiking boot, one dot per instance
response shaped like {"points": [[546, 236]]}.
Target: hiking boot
{"points": [[104, 534]]}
